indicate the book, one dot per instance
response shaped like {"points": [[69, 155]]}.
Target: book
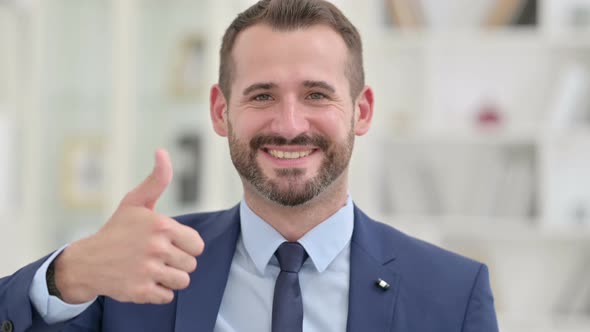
{"points": [[405, 13], [507, 12], [571, 102]]}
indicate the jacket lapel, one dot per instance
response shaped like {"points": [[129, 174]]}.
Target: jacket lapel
{"points": [[371, 307], [198, 305]]}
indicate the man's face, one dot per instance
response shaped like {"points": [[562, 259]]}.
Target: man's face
{"points": [[290, 117]]}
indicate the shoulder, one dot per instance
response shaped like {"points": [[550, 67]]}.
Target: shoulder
{"points": [[416, 256], [211, 224], [433, 279]]}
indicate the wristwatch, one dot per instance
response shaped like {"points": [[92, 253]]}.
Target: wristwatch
{"points": [[50, 279]]}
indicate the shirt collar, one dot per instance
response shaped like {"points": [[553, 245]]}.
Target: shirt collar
{"points": [[322, 243]]}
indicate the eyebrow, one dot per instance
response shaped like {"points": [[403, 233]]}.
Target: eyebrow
{"points": [[308, 84], [258, 86], [319, 84]]}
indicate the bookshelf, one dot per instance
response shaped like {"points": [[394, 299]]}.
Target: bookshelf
{"points": [[510, 190], [113, 72]]}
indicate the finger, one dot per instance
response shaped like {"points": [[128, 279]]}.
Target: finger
{"points": [[159, 294], [172, 278], [180, 260], [187, 239], [150, 190]]}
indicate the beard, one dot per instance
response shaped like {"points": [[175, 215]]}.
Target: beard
{"points": [[296, 191]]}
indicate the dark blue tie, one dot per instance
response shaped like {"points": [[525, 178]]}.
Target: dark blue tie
{"points": [[287, 305]]}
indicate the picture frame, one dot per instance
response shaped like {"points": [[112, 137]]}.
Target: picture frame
{"points": [[564, 17], [189, 67], [83, 173], [507, 12], [405, 14], [188, 168]]}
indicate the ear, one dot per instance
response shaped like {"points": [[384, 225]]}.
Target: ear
{"points": [[364, 111], [217, 110]]}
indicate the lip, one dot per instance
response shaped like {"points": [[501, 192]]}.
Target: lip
{"points": [[299, 162]]}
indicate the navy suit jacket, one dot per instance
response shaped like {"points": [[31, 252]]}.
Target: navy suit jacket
{"points": [[430, 289]]}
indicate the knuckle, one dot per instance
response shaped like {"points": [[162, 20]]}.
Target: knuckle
{"points": [[158, 249], [197, 247], [142, 293], [200, 246], [149, 271], [191, 264], [184, 281], [167, 297], [162, 225]]}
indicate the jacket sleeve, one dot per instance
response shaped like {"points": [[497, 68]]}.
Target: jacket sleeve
{"points": [[17, 311], [15, 307], [480, 315]]}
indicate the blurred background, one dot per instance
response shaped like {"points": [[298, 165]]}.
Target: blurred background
{"points": [[480, 143]]}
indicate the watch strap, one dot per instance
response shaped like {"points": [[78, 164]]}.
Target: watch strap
{"points": [[50, 279]]}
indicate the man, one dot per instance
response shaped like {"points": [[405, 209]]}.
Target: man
{"points": [[295, 254]]}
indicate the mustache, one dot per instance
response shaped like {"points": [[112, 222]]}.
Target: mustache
{"points": [[303, 139]]}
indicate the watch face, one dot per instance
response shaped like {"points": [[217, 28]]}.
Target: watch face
{"points": [[50, 279]]}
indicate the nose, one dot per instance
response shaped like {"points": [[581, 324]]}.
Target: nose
{"points": [[290, 119]]}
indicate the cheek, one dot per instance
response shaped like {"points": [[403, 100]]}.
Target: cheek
{"points": [[335, 125], [246, 125]]}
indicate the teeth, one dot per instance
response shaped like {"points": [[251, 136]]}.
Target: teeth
{"points": [[289, 154]]}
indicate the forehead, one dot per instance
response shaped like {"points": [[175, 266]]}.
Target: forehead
{"points": [[264, 54]]}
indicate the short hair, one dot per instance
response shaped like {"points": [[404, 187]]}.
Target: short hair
{"points": [[288, 15]]}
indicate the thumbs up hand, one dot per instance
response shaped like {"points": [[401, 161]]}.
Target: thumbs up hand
{"points": [[137, 256]]}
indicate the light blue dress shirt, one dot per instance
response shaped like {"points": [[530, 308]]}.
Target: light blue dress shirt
{"points": [[247, 300], [51, 308], [324, 277]]}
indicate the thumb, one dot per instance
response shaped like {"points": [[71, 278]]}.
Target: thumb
{"points": [[150, 190]]}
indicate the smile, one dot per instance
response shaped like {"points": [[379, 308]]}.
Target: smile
{"points": [[289, 154]]}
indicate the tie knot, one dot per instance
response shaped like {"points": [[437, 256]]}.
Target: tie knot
{"points": [[291, 256]]}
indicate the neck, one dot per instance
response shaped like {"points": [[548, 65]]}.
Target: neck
{"points": [[292, 222]]}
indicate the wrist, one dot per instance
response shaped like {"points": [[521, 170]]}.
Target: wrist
{"points": [[69, 279], [50, 280]]}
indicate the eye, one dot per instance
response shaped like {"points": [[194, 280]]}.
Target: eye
{"points": [[262, 97], [317, 96]]}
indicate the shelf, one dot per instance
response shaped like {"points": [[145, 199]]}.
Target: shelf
{"points": [[478, 37], [399, 39], [488, 229], [531, 323], [491, 137], [521, 136], [580, 134], [570, 40]]}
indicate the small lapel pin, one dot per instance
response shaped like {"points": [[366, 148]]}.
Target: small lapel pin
{"points": [[382, 284]]}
